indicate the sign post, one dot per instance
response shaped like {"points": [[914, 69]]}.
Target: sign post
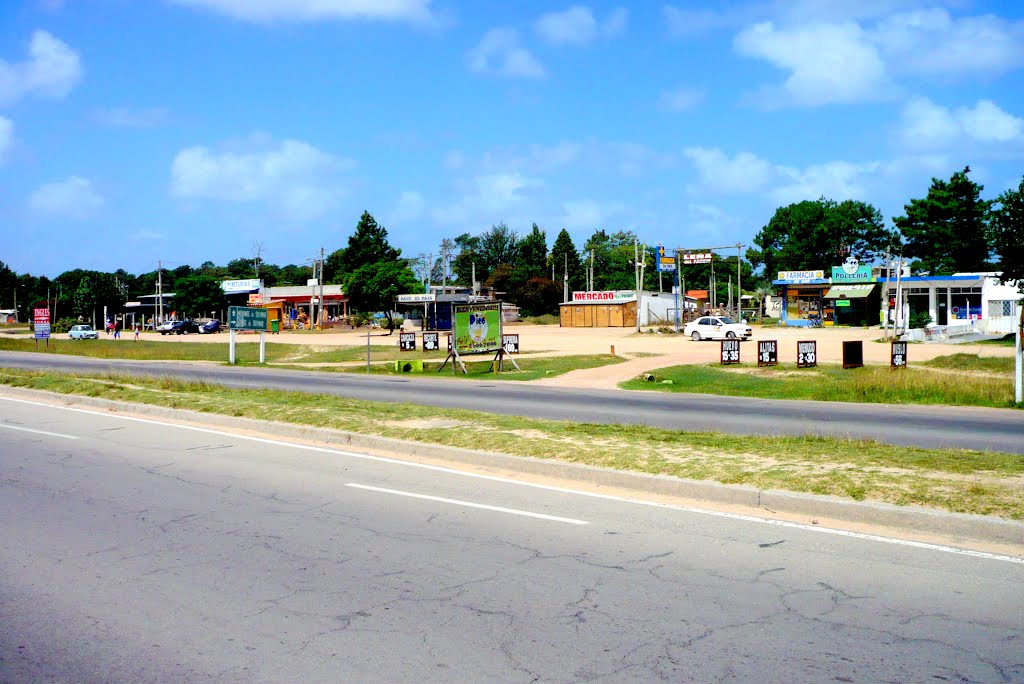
{"points": [[730, 352], [41, 326], [853, 354], [247, 318], [767, 353], [898, 355], [1018, 395], [806, 354]]}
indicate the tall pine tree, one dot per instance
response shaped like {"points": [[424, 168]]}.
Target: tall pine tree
{"points": [[947, 231]]}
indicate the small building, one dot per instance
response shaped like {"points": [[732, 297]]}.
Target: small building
{"points": [[299, 301], [803, 298], [618, 309], [979, 299]]}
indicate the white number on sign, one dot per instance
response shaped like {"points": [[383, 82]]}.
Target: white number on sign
{"points": [[898, 359]]}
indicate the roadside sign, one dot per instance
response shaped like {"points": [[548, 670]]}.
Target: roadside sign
{"points": [[898, 357], [510, 343], [806, 354], [255, 299], [767, 352], [730, 352], [449, 344], [41, 324], [430, 341], [696, 258], [247, 318], [853, 354], [407, 341]]}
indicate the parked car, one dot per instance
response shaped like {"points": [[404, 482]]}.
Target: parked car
{"points": [[211, 326], [165, 327], [184, 328], [717, 328], [83, 332]]}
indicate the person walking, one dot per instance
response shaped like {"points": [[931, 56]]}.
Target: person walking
{"points": [[136, 327], [117, 331]]}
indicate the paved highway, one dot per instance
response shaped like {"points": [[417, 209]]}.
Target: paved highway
{"points": [[971, 428], [139, 552]]}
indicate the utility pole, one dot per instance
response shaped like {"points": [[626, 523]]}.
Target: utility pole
{"points": [[565, 280], [885, 296], [739, 282], [591, 270], [1018, 382], [159, 291], [897, 324], [321, 318], [472, 277], [640, 283]]}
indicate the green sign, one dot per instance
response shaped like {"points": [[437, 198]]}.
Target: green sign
{"points": [[247, 318], [852, 272], [842, 302], [477, 328]]}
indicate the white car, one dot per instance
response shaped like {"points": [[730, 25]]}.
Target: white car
{"points": [[165, 327], [717, 328], [83, 332]]}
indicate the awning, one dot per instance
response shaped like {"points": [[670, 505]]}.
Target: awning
{"points": [[849, 291]]}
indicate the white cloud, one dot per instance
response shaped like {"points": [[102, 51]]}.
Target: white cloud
{"points": [[51, 70], [827, 63], [574, 26], [933, 43], [680, 99], [747, 173], [718, 173], [578, 26], [6, 137], [417, 11], [122, 117], [499, 53], [409, 207], [928, 126], [292, 177], [73, 198], [588, 214], [487, 196]]}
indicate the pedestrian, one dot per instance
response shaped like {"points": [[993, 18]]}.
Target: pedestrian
{"points": [[136, 327], [117, 331]]}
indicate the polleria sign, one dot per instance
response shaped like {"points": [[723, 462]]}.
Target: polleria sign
{"points": [[806, 354], [768, 352], [898, 357], [730, 352]]}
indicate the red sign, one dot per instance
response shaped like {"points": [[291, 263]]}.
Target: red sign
{"points": [[593, 296], [41, 315]]}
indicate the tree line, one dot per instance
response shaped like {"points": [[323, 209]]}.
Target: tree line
{"points": [[951, 229]]}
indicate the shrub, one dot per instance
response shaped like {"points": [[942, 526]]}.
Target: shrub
{"points": [[920, 319]]}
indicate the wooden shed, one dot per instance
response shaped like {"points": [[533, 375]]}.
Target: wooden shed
{"points": [[614, 314]]}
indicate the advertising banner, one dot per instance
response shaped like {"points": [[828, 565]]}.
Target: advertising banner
{"points": [[603, 296], [41, 324], [430, 341], [696, 258], [236, 286], [664, 261], [407, 341], [801, 276], [477, 328], [421, 298]]}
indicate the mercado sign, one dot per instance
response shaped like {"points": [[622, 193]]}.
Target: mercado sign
{"points": [[477, 328], [801, 276], [603, 296]]}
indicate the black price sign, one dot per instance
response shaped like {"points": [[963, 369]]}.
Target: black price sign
{"points": [[898, 359], [407, 341], [449, 344], [806, 354], [853, 354], [510, 343], [768, 352], [430, 342], [730, 352]]}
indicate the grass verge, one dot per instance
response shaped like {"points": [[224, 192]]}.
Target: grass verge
{"points": [[870, 384], [973, 362], [531, 368], [948, 479]]}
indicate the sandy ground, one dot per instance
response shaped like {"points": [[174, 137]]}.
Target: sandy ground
{"points": [[645, 351]]}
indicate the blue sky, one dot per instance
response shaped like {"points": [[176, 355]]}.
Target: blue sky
{"points": [[188, 130]]}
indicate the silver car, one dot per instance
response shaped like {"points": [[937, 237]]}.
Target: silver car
{"points": [[717, 328]]}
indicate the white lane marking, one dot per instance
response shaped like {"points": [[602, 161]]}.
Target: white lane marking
{"points": [[469, 504], [550, 488], [38, 432]]}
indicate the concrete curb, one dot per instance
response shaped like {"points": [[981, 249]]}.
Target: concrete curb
{"points": [[913, 518]]}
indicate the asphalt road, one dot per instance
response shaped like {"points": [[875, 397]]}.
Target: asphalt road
{"points": [[139, 552], [970, 428]]}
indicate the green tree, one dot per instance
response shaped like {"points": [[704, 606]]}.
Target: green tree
{"points": [[498, 245], [85, 299], [947, 231], [367, 245], [564, 257], [815, 235], [1008, 234], [538, 296], [533, 254], [372, 287], [469, 254], [197, 295]]}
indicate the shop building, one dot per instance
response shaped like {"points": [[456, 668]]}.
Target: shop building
{"points": [[980, 300], [618, 309], [803, 298]]}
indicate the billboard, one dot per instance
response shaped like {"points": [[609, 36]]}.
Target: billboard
{"points": [[690, 258], [477, 328], [665, 261], [238, 286]]}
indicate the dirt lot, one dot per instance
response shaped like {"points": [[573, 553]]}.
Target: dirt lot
{"points": [[646, 351]]}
